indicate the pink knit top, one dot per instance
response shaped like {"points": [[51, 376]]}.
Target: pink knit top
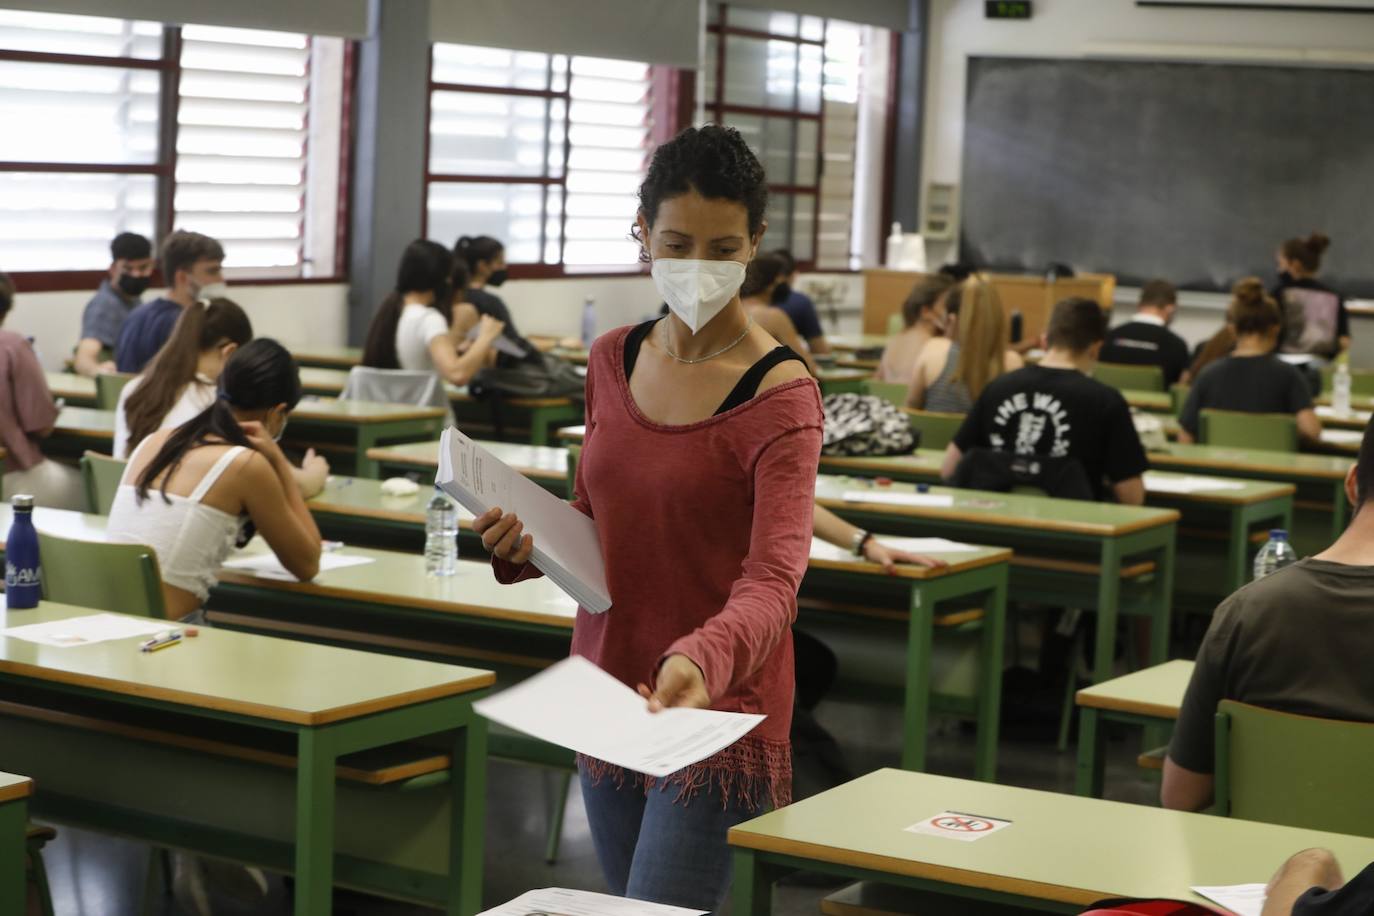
{"points": [[705, 530]]}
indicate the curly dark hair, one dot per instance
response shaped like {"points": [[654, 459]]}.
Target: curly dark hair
{"points": [[712, 160]]}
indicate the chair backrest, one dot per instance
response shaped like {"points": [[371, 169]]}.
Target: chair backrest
{"points": [[395, 386], [1178, 396], [1298, 771], [1130, 378], [101, 575], [1237, 429], [101, 475], [108, 385], [936, 430], [893, 392]]}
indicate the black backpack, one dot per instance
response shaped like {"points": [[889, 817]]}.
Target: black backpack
{"points": [[540, 375]]}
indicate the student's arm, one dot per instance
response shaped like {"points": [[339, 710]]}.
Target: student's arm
{"points": [[1184, 789], [969, 436], [1012, 361], [928, 367], [1130, 492], [953, 456], [87, 360], [311, 476], [1188, 779], [832, 529], [818, 344], [459, 370], [1309, 427], [274, 503], [1299, 403], [33, 404], [775, 321], [1311, 868], [808, 323]]}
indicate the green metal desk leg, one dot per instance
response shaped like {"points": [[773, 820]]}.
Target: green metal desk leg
{"points": [[916, 711], [752, 891], [364, 466], [13, 887], [990, 692], [468, 785], [1088, 780], [314, 823], [1108, 606], [1162, 594]]}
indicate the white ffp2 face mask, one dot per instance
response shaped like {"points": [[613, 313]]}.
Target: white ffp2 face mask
{"points": [[212, 291], [696, 290]]}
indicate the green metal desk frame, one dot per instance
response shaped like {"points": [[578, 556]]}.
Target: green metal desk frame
{"points": [[1092, 742], [14, 821], [371, 435]]}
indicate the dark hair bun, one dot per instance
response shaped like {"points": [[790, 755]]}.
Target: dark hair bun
{"points": [[1248, 292], [1318, 243]]}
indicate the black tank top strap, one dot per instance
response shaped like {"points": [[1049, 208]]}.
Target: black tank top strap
{"points": [[633, 341], [748, 384]]}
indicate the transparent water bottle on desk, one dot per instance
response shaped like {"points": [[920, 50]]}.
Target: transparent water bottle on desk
{"points": [[441, 536], [1340, 389], [1275, 554]]}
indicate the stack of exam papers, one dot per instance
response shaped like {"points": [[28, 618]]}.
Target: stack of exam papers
{"points": [[566, 547], [558, 901]]}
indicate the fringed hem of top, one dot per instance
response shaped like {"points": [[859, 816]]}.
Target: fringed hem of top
{"points": [[752, 771]]}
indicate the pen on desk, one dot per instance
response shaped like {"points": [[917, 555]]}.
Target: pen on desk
{"points": [[160, 641]]}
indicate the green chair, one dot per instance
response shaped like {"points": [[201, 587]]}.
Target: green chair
{"points": [[1298, 771], [100, 475], [1130, 378], [1178, 395], [108, 385], [894, 392], [1237, 429], [101, 575], [1361, 382], [935, 429]]}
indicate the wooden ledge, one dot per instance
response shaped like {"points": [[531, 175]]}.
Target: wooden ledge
{"points": [[1128, 571]]}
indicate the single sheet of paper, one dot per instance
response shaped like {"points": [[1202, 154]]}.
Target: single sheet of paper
{"points": [[957, 825], [576, 705], [1241, 899], [83, 631], [1168, 483], [1328, 412], [566, 546], [822, 550], [899, 498], [559, 901], [267, 566], [1342, 436]]}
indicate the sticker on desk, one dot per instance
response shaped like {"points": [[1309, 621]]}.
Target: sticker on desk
{"points": [[957, 825]]}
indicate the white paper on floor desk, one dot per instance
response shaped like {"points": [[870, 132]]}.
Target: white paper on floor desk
{"points": [[576, 705], [267, 566], [559, 901]]}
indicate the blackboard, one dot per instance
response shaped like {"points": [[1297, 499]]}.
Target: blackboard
{"points": [[1191, 172]]}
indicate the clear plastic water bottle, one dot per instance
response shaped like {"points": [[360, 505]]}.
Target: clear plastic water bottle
{"points": [[441, 536], [23, 571], [1275, 554], [1340, 389], [588, 322]]}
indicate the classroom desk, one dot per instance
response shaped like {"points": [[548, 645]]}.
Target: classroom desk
{"points": [[1324, 473], [1355, 419], [331, 702], [1150, 698], [326, 357], [328, 383], [548, 466], [14, 822], [74, 390], [361, 425], [849, 343], [1340, 441], [78, 429], [1076, 552], [843, 381], [1150, 401], [1060, 854], [542, 412]]}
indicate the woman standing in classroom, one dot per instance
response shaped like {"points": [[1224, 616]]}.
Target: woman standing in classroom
{"points": [[699, 466], [1314, 316]]}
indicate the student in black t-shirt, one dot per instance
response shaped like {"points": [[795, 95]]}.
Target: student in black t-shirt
{"points": [[485, 259], [1252, 378], [1146, 340], [1314, 317], [1056, 410]]}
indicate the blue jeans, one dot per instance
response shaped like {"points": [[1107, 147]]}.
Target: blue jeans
{"points": [[652, 848]]}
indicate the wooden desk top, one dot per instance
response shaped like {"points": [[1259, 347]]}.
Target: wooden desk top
{"points": [[1356, 419], [333, 410], [1007, 510], [323, 381], [87, 422], [278, 679], [848, 343], [540, 462], [342, 357], [843, 375], [1155, 691], [1342, 440], [828, 556], [571, 433], [1118, 849], [1274, 464], [1148, 400], [71, 386], [78, 526], [14, 787]]}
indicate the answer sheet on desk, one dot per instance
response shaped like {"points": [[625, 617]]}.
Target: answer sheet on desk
{"points": [[898, 498], [576, 705], [82, 631], [1241, 899], [559, 901], [1169, 483], [267, 566]]}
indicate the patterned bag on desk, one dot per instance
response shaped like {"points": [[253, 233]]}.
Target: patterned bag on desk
{"points": [[860, 424]]}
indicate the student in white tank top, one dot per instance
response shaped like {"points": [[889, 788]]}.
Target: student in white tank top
{"points": [[188, 491]]}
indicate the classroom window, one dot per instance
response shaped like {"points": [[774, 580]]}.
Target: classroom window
{"points": [[247, 149], [793, 85], [543, 151]]}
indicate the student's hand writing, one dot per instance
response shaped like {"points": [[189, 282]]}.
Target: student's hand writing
{"points": [[489, 328], [314, 473], [888, 557], [504, 535], [679, 683]]}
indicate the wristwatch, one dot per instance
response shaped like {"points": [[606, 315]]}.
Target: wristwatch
{"points": [[860, 541]]}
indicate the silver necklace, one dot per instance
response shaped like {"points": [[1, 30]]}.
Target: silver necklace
{"points": [[668, 347]]}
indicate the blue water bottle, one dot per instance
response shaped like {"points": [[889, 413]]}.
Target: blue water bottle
{"points": [[23, 572]]}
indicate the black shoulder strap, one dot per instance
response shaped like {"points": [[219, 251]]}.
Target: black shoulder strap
{"points": [[633, 341], [748, 384]]}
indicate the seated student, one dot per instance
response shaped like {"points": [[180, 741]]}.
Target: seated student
{"points": [[1295, 641], [1252, 378], [798, 305], [953, 370], [187, 492], [761, 277], [131, 271], [1310, 883], [1146, 340], [484, 258], [1056, 410], [1314, 317], [418, 326], [27, 415], [924, 314], [191, 264], [1209, 351]]}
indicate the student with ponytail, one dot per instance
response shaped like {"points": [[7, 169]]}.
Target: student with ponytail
{"points": [[188, 491], [484, 259], [1314, 320]]}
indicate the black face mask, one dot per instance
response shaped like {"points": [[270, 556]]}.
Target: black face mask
{"points": [[497, 277], [780, 293], [134, 286]]}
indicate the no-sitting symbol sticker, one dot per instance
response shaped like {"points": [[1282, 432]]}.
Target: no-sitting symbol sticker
{"points": [[957, 825]]}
